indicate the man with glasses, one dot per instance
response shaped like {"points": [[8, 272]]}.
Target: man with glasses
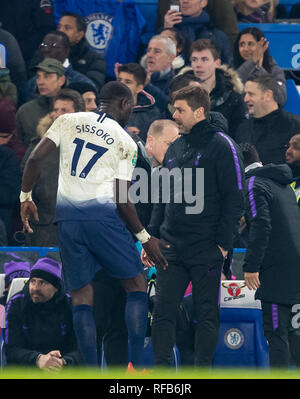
{"points": [[56, 45]]}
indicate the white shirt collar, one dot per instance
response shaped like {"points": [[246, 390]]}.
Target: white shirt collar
{"points": [[253, 166]]}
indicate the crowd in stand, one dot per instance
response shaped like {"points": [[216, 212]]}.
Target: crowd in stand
{"points": [[52, 71]]}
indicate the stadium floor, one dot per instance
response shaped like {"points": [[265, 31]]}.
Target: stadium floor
{"points": [[182, 373]]}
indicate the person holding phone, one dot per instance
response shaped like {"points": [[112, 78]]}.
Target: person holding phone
{"points": [[221, 13]]}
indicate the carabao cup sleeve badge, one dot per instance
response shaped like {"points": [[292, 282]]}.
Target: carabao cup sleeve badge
{"points": [[134, 159]]}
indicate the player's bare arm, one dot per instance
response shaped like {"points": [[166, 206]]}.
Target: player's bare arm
{"points": [[128, 213]]}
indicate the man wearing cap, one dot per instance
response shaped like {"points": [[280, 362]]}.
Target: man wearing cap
{"points": [[50, 78], [15, 268], [39, 328]]}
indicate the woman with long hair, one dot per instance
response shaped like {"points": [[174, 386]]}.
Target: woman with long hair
{"points": [[254, 11], [251, 58]]}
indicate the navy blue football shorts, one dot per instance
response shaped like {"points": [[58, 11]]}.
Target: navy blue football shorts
{"points": [[90, 245]]}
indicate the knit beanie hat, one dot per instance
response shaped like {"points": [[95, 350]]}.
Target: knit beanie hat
{"points": [[15, 269], [7, 116], [48, 269]]}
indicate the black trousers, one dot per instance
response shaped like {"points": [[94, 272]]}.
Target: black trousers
{"points": [[281, 330], [204, 270], [109, 314]]}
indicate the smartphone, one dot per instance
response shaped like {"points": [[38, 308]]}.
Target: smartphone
{"points": [[174, 7]]}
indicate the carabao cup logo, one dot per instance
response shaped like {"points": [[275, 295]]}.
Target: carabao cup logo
{"points": [[233, 289]]}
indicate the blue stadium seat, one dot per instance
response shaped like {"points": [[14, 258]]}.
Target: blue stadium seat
{"points": [[293, 97], [241, 340], [288, 4], [284, 42]]}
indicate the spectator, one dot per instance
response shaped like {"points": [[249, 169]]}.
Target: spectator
{"points": [[199, 238], [10, 173], [15, 64], [196, 24], [269, 127], [271, 263], [15, 268], [56, 45], [182, 47], [144, 111], [88, 93], [292, 157], [251, 59], [8, 134], [82, 57], [220, 11], [161, 52], [28, 22], [162, 133], [39, 328], [44, 194], [7, 88], [254, 11], [222, 83], [50, 79]]}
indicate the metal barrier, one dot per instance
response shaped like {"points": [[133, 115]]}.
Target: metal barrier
{"points": [[42, 250]]}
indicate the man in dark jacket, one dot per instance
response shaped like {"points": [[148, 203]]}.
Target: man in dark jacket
{"points": [[10, 184], [39, 328], [144, 111], [82, 57], [15, 63], [160, 55], [222, 83], [221, 13], [199, 229], [56, 45], [271, 264], [292, 157], [28, 22], [269, 127], [196, 24]]}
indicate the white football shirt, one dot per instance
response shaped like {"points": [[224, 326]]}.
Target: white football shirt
{"points": [[94, 151]]}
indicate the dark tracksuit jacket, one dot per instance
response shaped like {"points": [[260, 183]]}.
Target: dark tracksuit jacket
{"points": [[273, 247], [38, 328], [270, 134], [144, 113], [204, 147], [296, 181]]}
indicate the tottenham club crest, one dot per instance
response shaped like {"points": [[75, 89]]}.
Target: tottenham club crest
{"points": [[234, 338], [99, 31]]}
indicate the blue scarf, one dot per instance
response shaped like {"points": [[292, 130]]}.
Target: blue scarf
{"points": [[190, 25]]}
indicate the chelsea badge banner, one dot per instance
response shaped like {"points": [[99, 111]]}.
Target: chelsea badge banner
{"points": [[113, 27]]}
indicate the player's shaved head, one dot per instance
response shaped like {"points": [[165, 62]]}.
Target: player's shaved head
{"points": [[114, 91], [116, 100]]}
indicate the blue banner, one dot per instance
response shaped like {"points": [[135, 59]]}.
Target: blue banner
{"points": [[113, 27]]}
